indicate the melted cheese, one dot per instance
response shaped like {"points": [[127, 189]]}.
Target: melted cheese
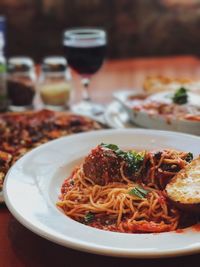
{"points": [[166, 97]]}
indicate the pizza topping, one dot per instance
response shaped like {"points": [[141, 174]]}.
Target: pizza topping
{"points": [[20, 132]]}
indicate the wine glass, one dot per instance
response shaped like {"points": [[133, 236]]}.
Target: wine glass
{"points": [[85, 50]]}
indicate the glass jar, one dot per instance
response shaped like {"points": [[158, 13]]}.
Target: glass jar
{"points": [[55, 83], [3, 88], [21, 83]]}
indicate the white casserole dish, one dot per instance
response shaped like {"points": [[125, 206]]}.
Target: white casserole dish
{"points": [[155, 121]]}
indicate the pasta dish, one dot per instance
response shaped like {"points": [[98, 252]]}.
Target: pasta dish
{"points": [[182, 105], [124, 190]]}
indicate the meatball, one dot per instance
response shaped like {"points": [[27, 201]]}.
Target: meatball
{"points": [[102, 166]]}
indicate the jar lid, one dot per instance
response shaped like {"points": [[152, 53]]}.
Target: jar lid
{"points": [[20, 64], [54, 64]]}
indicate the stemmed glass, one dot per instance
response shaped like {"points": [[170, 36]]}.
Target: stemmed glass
{"points": [[85, 52]]}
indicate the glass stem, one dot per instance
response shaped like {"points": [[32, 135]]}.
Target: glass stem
{"points": [[86, 82]]}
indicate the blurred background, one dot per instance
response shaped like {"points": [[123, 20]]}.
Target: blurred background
{"points": [[136, 28]]}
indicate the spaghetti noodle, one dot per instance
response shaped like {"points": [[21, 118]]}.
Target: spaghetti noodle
{"points": [[131, 203]]}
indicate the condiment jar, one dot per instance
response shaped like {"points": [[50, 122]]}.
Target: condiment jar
{"points": [[55, 83], [21, 83]]}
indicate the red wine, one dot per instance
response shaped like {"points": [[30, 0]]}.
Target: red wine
{"points": [[86, 60]]}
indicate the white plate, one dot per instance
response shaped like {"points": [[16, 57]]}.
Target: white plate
{"points": [[143, 119], [33, 184]]}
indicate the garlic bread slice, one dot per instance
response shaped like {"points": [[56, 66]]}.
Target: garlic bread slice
{"points": [[184, 189]]}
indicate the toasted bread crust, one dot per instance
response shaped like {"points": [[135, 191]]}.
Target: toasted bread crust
{"points": [[155, 84], [184, 189]]}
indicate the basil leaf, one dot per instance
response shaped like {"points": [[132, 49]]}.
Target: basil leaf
{"points": [[180, 97], [139, 192], [134, 160], [110, 146], [89, 217]]}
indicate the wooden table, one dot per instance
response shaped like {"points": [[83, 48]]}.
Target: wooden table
{"points": [[130, 73], [20, 247]]}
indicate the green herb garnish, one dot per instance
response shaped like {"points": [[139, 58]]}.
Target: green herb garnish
{"points": [[89, 217], [132, 158], [110, 146], [139, 192], [180, 97], [189, 157]]}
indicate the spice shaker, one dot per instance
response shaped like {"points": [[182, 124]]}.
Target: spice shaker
{"points": [[21, 83], [55, 83]]}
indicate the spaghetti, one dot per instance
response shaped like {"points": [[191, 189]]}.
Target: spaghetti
{"points": [[134, 202]]}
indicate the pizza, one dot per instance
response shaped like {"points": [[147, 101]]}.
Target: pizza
{"points": [[21, 132]]}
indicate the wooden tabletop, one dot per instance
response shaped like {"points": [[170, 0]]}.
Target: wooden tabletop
{"points": [[130, 73], [20, 247]]}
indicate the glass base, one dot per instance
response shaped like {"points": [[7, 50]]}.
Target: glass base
{"points": [[88, 108], [56, 107], [19, 108]]}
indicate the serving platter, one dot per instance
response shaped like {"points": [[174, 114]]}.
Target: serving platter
{"points": [[32, 187]]}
